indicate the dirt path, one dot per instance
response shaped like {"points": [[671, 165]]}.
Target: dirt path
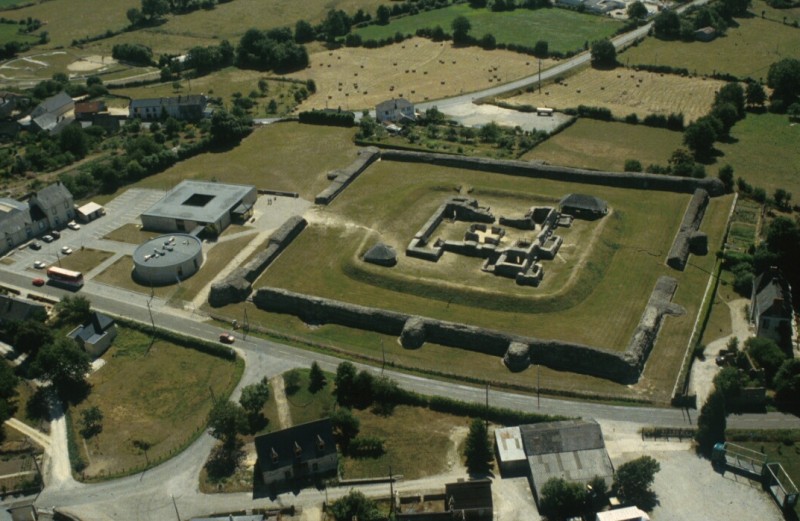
{"points": [[279, 391], [37, 436], [703, 371], [235, 262]]}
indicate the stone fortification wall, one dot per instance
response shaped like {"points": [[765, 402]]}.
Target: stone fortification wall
{"points": [[559, 173], [343, 177], [414, 331], [237, 286], [679, 252], [644, 336], [459, 208]]}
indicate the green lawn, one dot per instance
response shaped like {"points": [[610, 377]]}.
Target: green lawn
{"points": [[600, 145], [392, 200], [521, 26], [746, 51], [159, 394], [766, 152], [10, 33], [285, 156]]}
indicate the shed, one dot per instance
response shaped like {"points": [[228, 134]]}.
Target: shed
{"points": [[382, 255], [583, 206], [90, 212], [510, 451], [623, 514], [705, 34], [96, 335]]}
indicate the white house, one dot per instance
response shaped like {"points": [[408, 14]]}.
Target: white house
{"points": [[395, 110]]}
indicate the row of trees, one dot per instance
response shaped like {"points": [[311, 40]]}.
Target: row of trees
{"points": [[154, 10], [668, 25]]}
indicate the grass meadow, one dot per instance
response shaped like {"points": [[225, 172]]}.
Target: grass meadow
{"points": [[746, 51], [520, 26], [765, 152], [626, 91], [603, 145], [393, 200], [10, 33], [159, 395]]}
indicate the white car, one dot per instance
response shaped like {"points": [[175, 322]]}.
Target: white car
{"points": [[66, 250], [72, 225], [39, 265]]}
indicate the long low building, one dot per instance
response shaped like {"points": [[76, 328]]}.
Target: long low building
{"points": [[196, 205]]}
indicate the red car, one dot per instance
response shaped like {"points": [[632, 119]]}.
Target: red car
{"points": [[226, 338], [38, 282]]}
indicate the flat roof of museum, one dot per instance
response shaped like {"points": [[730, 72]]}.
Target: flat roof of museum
{"points": [[167, 250], [199, 201]]}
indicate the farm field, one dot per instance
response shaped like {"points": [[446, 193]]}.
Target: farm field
{"points": [[41, 65], [746, 51], [765, 152], [284, 156], [626, 91], [626, 246], [10, 33], [64, 24], [418, 69], [159, 395], [605, 145], [520, 26]]}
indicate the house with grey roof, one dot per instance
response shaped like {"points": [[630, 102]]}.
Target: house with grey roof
{"points": [[573, 450], [96, 335], [771, 307], [53, 114], [188, 108], [194, 206], [395, 110], [298, 454], [20, 221]]}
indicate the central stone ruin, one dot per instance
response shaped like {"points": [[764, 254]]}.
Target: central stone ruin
{"points": [[519, 261]]}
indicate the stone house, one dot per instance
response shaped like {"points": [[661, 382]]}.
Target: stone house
{"points": [[188, 108], [96, 335], [53, 114], [301, 453], [771, 307], [395, 110], [20, 221]]}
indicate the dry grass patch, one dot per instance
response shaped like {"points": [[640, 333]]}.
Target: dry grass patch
{"points": [[130, 233], [417, 69], [600, 145], [159, 394], [284, 156], [626, 91], [84, 259]]}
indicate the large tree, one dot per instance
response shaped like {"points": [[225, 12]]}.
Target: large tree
{"points": [[345, 426], [633, 479], [461, 28], [562, 499], [355, 505], [228, 129], [73, 310], [154, 9], [477, 448], [700, 137], [226, 420], [345, 383], [65, 364], [637, 10], [667, 25], [784, 80], [604, 54]]}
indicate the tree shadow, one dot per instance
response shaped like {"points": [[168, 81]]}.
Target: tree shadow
{"points": [[223, 461]]}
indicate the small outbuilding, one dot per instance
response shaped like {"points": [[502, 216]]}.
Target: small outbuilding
{"points": [[705, 34], [382, 255], [89, 212], [623, 514], [167, 259], [96, 335], [583, 206], [771, 306], [509, 451]]}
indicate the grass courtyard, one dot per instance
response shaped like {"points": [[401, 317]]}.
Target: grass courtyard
{"points": [[592, 272]]}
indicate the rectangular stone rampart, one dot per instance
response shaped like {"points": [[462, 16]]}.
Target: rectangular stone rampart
{"points": [[347, 175], [692, 218]]}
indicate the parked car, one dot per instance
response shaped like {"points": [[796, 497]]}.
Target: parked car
{"points": [[47, 238], [39, 265], [56, 234], [36, 245], [38, 282], [66, 250], [72, 225], [226, 338]]}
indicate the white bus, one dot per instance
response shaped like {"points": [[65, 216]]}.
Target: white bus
{"points": [[66, 278]]}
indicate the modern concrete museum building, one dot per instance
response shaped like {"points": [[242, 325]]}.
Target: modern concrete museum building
{"points": [[193, 206], [167, 259]]}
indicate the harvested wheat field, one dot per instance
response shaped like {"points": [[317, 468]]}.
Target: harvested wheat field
{"points": [[626, 91], [416, 69]]}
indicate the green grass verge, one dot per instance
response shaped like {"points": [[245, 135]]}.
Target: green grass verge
{"points": [[159, 394], [765, 152], [746, 51], [603, 145], [521, 26], [10, 33]]}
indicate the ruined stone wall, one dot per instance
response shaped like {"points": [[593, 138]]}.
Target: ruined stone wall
{"points": [[692, 218], [551, 353], [560, 173], [345, 176], [237, 286]]}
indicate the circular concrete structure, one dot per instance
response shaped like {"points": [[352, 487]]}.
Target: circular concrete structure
{"points": [[167, 259]]}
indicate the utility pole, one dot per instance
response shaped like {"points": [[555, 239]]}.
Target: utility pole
{"points": [[246, 326], [391, 492], [538, 402], [540, 75], [174, 504], [487, 406], [383, 354]]}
